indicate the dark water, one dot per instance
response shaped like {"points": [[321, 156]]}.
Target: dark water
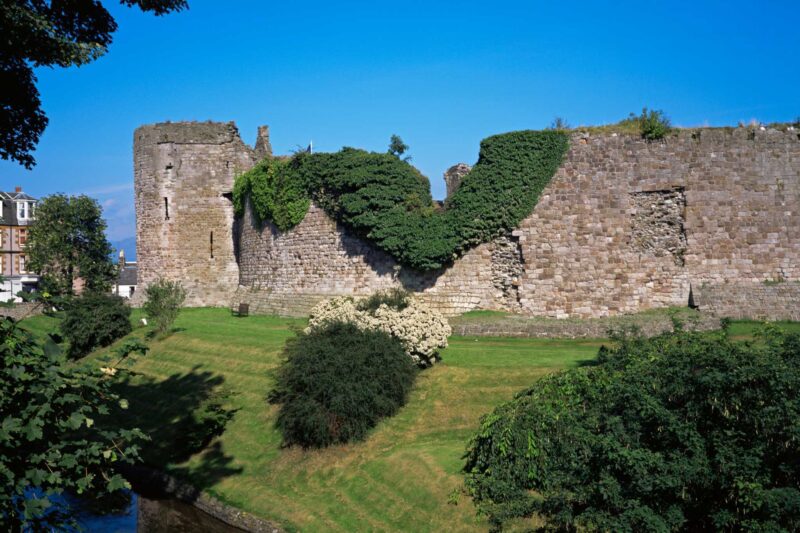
{"points": [[145, 515]]}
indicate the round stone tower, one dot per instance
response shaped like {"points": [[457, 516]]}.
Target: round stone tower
{"points": [[183, 178]]}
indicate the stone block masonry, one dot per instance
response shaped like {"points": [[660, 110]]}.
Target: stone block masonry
{"points": [[183, 177], [624, 226]]}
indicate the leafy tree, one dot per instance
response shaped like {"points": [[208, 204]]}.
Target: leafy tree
{"points": [[37, 33], [163, 302], [397, 147], [94, 320], [67, 241], [682, 432], [54, 434]]}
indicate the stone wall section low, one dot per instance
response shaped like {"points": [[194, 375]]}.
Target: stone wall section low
{"points": [[757, 301], [22, 310], [288, 272]]}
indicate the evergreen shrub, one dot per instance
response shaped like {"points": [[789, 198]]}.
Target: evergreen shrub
{"points": [[387, 201], [94, 320], [337, 383], [682, 432]]}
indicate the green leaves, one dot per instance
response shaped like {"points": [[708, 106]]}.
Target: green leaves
{"points": [[384, 199], [68, 237], [337, 383], [163, 302], [275, 192], [685, 431], [94, 320], [52, 432]]}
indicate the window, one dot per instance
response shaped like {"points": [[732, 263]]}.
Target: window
{"points": [[21, 264], [211, 244], [166, 208], [22, 210], [23, 236]]}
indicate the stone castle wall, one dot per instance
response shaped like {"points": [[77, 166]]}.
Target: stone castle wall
{"points": [[627, 225], [623, 226], [288, 272]]}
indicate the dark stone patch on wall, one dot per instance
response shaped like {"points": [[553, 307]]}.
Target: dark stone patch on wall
{"points": [[658, 223], [507, 268]]}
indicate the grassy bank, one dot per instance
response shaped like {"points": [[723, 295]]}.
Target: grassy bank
{"points": [[404, 477]]}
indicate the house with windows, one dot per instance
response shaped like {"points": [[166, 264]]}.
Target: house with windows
{"points": [[125, 284], [17, 212]]}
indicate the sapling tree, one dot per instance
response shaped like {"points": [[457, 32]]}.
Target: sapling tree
{"points": [[164, 299]]}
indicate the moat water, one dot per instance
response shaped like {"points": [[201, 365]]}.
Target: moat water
{"points": [[145, 515]]}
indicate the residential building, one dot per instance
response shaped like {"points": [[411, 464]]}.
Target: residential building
{"points": [[17, 212], [125, 284]]}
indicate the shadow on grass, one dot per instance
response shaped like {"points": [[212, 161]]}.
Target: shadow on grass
{"points": [[181, 414]]}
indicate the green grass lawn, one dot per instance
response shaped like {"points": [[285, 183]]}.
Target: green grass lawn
{"points": [[405, 476], [402, 477]]}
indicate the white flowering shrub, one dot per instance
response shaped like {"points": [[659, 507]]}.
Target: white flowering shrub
{"points": [[421, 330]]}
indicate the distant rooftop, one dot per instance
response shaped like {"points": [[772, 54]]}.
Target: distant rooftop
{"points": [[16, 196], [14, 213]]}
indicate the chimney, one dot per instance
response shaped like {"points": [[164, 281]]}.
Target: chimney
{"points": [[263, 147], [17, 189], [121, 258]]}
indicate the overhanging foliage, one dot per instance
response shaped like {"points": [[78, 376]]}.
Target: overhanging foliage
{"points": [[387, 201]]}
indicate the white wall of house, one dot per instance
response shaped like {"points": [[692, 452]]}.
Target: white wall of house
{"points": [[126, 291]]}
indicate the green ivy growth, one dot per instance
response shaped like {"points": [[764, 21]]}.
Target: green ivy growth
{"points": [[387, 201], [275, 193]]}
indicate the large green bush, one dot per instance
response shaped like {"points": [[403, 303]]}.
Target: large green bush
{"points": [[337, 383], [683, 432], [384, 199], [94, 320]]}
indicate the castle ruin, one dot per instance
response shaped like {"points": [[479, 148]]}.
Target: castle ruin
{"points": [[707, 217]]}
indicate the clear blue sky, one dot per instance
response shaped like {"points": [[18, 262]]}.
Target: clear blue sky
{"points": [[443, 75]]}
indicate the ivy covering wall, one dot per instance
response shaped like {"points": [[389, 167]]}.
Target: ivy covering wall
{"points": [[388, 202]]}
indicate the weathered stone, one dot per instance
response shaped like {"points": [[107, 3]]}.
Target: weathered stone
{"points": [[453, 177], [183, 176], [624, 225]]}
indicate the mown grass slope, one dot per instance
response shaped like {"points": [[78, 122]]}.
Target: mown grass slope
{"points": [[405, 476]]}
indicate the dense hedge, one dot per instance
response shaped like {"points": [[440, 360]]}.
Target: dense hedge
{"points": [[684, 432], [337, 383], [94, 320], [386, 200]]}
